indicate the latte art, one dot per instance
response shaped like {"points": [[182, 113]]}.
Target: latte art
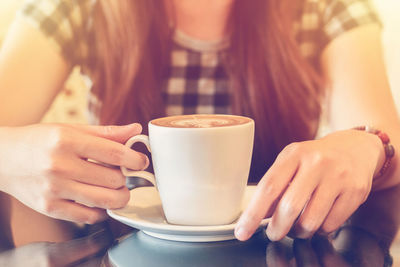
{"points": [[200, 121]]}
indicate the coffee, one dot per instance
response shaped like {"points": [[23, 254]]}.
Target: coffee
{"points": [[200, 121]]}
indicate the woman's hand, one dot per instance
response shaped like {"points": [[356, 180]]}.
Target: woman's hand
{"points": [[46, 167], [314, 185]]}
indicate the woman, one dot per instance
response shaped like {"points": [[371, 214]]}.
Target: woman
{"points": [[267, 59]]}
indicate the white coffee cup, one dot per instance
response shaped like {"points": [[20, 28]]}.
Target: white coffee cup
{"points": [[200, 171]]}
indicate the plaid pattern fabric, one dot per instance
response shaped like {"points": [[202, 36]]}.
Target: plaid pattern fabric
{"points": [[321, 21], [65, 22], [196, 81]]}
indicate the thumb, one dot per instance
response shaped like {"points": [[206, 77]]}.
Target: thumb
{"points": [[115, 133]]}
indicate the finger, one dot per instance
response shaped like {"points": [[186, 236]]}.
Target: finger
{"points": [[118, 134], [292, 202], [344, 206], [273, 207], [315, 212], [267, 192], [304, 253], [95, 174], [326, 252], [94, 196], [74, 212], [109, 152]]}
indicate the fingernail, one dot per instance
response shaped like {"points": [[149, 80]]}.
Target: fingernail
{"points": [[137, 127], [271, 234], [241, 233]]}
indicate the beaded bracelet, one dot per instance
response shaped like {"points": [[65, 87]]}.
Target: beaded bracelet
{"points": [[389, 149]]}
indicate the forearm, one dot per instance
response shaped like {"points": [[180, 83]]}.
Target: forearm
{"points": [[30, 75], [359, 92]]}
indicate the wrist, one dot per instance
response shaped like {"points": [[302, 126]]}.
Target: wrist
{"points": [[385, 148]]}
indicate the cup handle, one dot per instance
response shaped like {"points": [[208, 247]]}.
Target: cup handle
{"points": [[142, 174]]}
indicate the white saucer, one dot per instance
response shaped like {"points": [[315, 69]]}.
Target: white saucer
{"points": [[144, 212]]}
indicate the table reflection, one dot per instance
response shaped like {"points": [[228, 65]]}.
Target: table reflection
{"points": [[140, 249], [363, 241]]}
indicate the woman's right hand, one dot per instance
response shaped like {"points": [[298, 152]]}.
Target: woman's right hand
{"points": [[46, 167]]}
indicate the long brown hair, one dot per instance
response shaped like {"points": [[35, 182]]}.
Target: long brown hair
{"points": [[271, 82]]}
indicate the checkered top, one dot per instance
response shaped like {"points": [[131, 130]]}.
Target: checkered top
{"points": [[196, 80]]}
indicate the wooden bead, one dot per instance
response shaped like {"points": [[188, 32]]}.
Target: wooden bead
{"points": [[389, 151], [384, 137]]}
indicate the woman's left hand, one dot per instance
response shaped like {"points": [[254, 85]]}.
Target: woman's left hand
{"points": [[314, 185]]}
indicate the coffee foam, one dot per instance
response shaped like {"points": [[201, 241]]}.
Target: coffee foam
{"points": [[200, 121]]}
